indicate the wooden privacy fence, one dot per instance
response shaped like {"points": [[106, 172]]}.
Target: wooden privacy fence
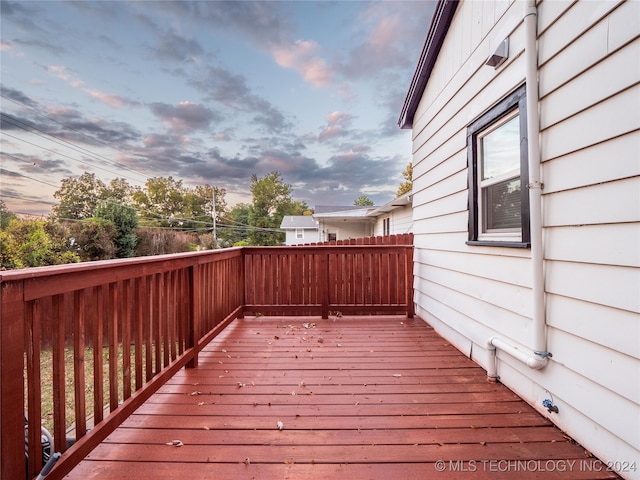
{"points": [[85, 336], [350, 279], [397, 239]]}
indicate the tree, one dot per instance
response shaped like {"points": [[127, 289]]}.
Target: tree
{"points": [[407, 185], [271, 201], [166, 202], [34, 243], [94, 239], [79, 197], [233, 227], [125, 222], [300, 208], [119, 190], [160, 202], [5, 215], [363, 201]]}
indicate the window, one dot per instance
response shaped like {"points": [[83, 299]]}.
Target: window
{"points": [[498, 175], [386, 226], [299, 233]]}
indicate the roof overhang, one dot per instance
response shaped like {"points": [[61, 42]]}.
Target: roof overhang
{"points": [[400, 202], [435, 37]]}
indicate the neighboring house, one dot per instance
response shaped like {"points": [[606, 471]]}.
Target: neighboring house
{"points": [[299, 229], [395, 217], [526, 200], [343, 222]]}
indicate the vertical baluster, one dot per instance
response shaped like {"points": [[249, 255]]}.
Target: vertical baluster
{"points": [[126, 339], [59, 384], [79, 315], [138, 330], [32, 336], [113, 345], [102, 313]]}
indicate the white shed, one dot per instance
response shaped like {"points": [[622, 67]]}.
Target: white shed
{"points": [[526, 200]]}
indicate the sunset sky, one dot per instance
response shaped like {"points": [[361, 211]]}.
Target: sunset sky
{"points": [[207, 92]]}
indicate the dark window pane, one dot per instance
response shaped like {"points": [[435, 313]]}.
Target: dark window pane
{"points": [[502, 205]]}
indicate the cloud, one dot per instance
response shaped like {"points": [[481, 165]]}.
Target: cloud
{"points": [[303, 57], [177, 48], [184, 117], [232, 91], [390, 36], [338, 124], [37, 164], [115, 101], [262, 23], [72, 125], [17, 95]]}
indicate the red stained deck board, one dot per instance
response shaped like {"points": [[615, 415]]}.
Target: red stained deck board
{"points": [[291, 471], [376, 397]]}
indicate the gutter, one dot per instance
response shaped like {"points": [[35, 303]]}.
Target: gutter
{"points": [[537, 359]]}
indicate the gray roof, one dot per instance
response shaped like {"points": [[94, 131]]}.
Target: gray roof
{"points": [[298, 221], [341, 211], [336, 208]]}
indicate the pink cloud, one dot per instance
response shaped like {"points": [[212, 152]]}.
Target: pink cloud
{"points": [[65, 74], [337, 125], [111, 100], [303, 57]]}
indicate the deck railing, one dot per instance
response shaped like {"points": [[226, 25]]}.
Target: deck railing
{"points": [[79, 338]]}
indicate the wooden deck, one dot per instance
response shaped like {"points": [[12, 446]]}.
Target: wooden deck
{"points": [[358, 397]]}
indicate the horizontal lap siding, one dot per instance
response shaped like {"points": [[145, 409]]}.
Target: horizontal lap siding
{"points": [[590, 121]]}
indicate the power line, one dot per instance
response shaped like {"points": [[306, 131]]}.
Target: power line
{"points": [[7, 195], [78, 132], [62, 154], [25, 176]]}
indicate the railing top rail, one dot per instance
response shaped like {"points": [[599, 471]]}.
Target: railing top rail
{"points": [[123, 263], [316, 248]]}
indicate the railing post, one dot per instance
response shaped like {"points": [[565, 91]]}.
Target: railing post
{"points": [[12, 381], [194, 315], [324, 284], [409, 268]]}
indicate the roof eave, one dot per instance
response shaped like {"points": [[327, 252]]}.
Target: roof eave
{"points": [[435, 37]]}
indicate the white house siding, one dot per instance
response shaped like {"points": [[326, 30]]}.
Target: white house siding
{"points": [[401, 221], [590, 148], [308, 236]]}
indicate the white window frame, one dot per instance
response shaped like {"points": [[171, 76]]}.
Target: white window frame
{"points": [[494, 234]]}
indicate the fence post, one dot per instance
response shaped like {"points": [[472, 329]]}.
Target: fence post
{"points": [[409, 267], [324, 287], [194, 315], [12, 380]]}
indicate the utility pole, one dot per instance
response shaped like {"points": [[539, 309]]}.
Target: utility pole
{"points": [[213, 215]]}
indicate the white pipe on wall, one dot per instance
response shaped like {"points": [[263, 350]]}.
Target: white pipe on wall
{"points": [[538, 359]]}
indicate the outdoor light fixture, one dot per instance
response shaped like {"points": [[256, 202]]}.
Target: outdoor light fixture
{"points": [[500, 55]]}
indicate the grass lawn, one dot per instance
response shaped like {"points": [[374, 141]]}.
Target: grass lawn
{"points": [[46, 372]]}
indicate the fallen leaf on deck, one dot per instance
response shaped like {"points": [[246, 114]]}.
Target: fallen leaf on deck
{"points": [[175, 443]]}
